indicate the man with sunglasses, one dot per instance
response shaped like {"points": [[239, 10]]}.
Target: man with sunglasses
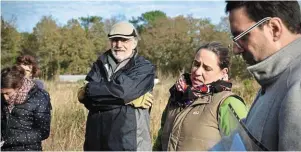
{"points": [[117, 97], [267, 35]]}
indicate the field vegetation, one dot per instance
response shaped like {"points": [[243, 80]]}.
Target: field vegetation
{"points": [[69, 116]]}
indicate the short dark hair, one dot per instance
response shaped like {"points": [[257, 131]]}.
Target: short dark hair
{"points": [[11, 77], [221, 52], [29, 60], [287, 11]]}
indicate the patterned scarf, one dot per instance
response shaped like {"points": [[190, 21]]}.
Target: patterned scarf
{"points": [[20, 95], [186, 94]]}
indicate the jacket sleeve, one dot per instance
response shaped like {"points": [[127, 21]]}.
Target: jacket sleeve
{"points": [[124, 88], [41, 127], [226, 122], [94, 74], [289, 120]]}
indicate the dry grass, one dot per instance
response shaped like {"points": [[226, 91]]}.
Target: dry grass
{"points": [[69, 116]]}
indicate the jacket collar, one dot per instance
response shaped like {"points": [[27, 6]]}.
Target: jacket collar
{"points": [[32, 91], [205, 99], [268, 70], [104, 58]]}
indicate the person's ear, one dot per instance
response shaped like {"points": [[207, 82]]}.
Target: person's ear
{"points": [[276, 26], [135, 43], [225, 71], [225, 75]]}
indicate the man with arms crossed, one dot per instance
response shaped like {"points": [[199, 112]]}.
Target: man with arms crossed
{"points": [[117, 96]]}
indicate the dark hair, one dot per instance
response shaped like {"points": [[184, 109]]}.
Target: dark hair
{"points": [[221, 52], [29, 60], [11, 77], [287, 11]]}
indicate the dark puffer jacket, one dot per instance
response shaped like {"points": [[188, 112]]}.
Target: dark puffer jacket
{"points": [[111, 124], [28, 123]]}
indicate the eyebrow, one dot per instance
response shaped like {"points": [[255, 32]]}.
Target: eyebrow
{"points": [[196, 61], [203, 64], [207, 66]]}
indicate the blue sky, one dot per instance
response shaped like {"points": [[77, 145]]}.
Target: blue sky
{"points": [[28, 13]]}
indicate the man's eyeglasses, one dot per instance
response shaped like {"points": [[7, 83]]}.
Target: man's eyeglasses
{"points": [[236, 38]]}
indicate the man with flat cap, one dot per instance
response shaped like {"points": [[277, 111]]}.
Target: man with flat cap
{"points": [[117, 95]]}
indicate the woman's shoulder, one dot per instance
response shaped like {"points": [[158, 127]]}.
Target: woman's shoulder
{"points": [[39, 83], [236, 104], [229, 97], [38, 94], [220, 97]]}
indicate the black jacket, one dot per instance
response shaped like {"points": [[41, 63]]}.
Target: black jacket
{"points": [[28, 123], [112, 125]]}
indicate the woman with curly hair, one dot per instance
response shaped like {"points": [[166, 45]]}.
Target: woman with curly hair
{"points": [[32, 70]]}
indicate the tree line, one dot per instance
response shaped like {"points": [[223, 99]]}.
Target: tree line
{"points": [[168, 42]]}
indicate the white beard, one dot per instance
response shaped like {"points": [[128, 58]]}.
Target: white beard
{"points": [[121, 55]]}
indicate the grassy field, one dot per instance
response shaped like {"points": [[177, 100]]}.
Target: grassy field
{"points": [[69, 116]]}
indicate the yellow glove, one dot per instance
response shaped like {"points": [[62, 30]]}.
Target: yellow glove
{"points": [[144, 101], [81, 92]]}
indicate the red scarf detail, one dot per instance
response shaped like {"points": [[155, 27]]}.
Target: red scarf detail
{"points": [[20, 95]]}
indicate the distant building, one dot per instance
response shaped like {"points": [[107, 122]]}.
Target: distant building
{"points": [[156, 80], [71, 78], [75, 78]]}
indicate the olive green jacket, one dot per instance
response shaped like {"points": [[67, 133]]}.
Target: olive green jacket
{"points": [[200, 125]]}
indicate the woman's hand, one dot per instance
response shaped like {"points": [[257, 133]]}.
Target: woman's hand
{"points": [[1, 143]]}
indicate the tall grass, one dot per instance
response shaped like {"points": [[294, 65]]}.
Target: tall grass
{"points": [[69, 116]]}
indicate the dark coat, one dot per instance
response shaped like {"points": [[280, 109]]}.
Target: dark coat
{"points": [[28, 123], [112, 125]]}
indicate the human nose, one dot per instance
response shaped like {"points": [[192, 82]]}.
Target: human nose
{"points": [[237, 49], [199, 71], [118, 43], [6, 97]]}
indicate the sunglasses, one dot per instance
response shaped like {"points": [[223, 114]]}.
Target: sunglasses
{"points": [[236, 38]]}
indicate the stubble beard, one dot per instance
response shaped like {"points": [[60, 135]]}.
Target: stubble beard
{"points": [[249, 58]]}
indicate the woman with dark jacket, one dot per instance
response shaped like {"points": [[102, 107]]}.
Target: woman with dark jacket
{"points": [[25, 112]]}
